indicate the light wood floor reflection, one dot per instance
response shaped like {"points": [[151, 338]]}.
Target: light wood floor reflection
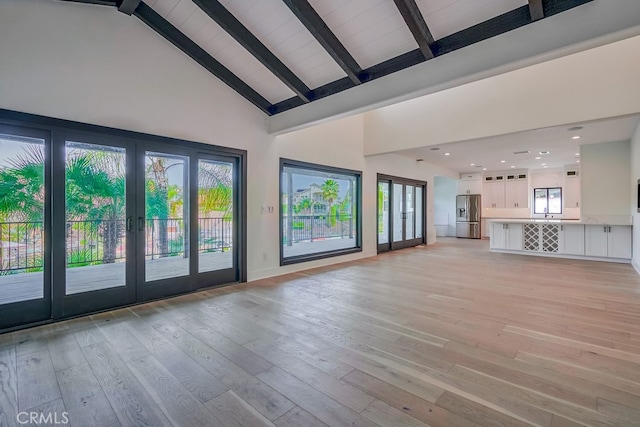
{"points": [[443, 335]]}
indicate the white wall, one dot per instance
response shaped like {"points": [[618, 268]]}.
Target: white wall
{"points": [[635, 176], [96, 65], [549, 94], [445, 190], [606, 180]]}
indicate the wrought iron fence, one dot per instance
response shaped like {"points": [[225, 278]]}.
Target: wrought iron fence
{"points": [[103, 242], [307, 228], [21, 246]]}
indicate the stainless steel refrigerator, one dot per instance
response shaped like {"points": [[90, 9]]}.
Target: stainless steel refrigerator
{"points": [[468, 216]]}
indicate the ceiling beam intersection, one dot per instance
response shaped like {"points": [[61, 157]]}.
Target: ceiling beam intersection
{"points": [[163, 27], [242, 35], [319, 29], [417, 25], [536, 9]]}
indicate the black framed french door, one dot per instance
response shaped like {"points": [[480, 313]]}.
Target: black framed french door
{"points": [[93, 222], [25, 238], [95, 218], [401, 212], [188, 208]]}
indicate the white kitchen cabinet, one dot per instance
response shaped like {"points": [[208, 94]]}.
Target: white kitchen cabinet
{"points": [[609, 241], [571, 239], [516, 193], [506, 236], [571, 192], [493, 195], [470, 186]]}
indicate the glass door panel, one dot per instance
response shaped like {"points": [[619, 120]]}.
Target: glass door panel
{"points": [[419, 212], [22, 212], [166, 231], [95, 226], [215, 215], [398, 213], [383, 213], [409, 215]]}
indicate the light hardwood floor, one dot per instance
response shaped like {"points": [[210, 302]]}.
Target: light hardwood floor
{"points": [[444, 335]]}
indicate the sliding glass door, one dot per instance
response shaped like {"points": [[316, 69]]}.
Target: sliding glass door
{"points": [[401, 213], [25, 256], [96, 220]]}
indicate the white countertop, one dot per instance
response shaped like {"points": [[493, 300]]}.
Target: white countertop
{"points": [[586, 221]]}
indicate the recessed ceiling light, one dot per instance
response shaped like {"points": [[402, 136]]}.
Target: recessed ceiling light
{"points": [[577, 161], [543, 164], [484, 169], [538, 158], [434, 148], [545, 167], [503, 161], [447, 154], [472, 164], [543, 152], [575, 137], [577, 154], [575, 128], [512, 167]]}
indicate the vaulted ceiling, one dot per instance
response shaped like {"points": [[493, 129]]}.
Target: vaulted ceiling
{"points": [[281, 54]]}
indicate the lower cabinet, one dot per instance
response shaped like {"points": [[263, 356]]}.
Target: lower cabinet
{"points": [[571, 239], [612, 241], [506, 236], [599, 241]]}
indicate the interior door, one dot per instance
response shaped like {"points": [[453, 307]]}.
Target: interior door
{"points": [[25, 253], [94, 238]]}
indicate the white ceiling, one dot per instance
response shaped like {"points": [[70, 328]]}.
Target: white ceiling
{"points": [[489, 152], [373, 31], [446, 17]]}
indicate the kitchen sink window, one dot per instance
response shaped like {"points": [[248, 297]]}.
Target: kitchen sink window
{"points": [[547, 201]]}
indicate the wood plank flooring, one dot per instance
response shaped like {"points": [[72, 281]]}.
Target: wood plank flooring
{"points": [[444, 335]]}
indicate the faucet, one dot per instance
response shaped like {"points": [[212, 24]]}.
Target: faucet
{"points": [[545, 213]]}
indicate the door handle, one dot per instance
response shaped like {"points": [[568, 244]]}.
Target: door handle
{"points": [[609, 229], [140, 223], [130, 224], [605, 228]]}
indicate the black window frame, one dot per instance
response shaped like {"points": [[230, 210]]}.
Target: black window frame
{"points": [[547, 191], [357, 175]]}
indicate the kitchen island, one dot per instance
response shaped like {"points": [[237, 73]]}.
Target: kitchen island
{"points": [[600, 239]]}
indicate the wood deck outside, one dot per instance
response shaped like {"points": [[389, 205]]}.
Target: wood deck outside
{"points": [[445, 335], [27, 286]]}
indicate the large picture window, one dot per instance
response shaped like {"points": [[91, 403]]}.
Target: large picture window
{"points": [[319, 211], [547, 200]]}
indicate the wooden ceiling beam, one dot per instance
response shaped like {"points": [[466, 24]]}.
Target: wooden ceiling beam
{"points": [[242, 35], [127, 6], [319, 29], [163, 27], [417, 25], [536, 10]]}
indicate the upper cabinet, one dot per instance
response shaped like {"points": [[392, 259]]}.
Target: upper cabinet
{"points": [[506, 190], [494, 191], [516, 190], [470, 183]]}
